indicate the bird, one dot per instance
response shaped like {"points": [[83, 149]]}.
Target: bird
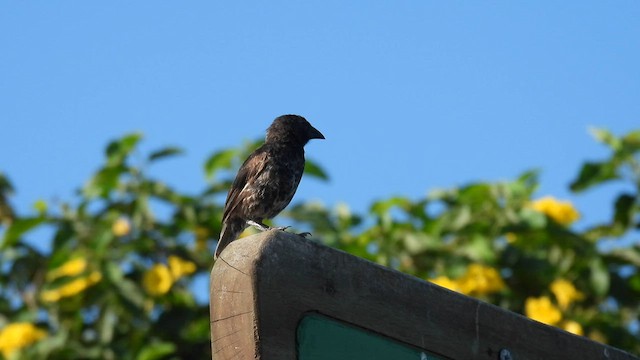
{"points": [[268, 178]]}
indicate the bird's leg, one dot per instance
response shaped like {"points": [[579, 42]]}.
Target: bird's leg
{"points": [[281, 228], [258, 225], [263, 227]]}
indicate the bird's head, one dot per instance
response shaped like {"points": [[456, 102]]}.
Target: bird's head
{"points": [[293, 129]]}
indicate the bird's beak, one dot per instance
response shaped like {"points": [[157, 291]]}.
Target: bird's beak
{"points": [[315, 134]]}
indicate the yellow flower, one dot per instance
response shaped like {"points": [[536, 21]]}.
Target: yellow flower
{"points": [[121, 227], [157, 280], [541, 309], [511, 237], [445, 282], [180, 267], [561, 212], [70, 268], [71, 288], [480, 280], [565, 293], [17, 336], [573, 327], [40, 206]]}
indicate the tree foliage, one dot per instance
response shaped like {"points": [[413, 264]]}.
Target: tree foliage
{"points": [[115, 279]]}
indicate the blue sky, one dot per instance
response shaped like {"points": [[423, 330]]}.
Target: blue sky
{"points": [[411, 95]]}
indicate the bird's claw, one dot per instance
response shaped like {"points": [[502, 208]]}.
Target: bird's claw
{"points": [[284, 228], [262, 227]]}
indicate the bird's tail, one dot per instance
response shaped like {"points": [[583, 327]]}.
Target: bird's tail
{"points": [[230, 231]]}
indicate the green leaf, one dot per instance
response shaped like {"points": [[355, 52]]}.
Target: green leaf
{"points": [[382, 207], [5, 185], [594, 173], [606, 137], [125, 287], [104, 181], [162, 191], [165, 152], [529, 177], [476, 194], [599, 276], [108, 322], [63, 237], [221, 160], [533, 219], [156, 350], [248, 147], [524, 186], [479, 249], [311, 168], [18, 228], [624, 210], [631, 141], [118, 150], [458, 218], [54, 341], [628, 255], [634, 282], [101, 240], [197, 329], [416, 242]]}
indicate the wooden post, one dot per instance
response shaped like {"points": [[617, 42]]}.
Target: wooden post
{"points": [[262, 287]]}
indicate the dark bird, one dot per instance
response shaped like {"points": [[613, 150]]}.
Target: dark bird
{"points": [[268, 179]]}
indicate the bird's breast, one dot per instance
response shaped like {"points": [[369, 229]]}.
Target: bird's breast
{"points": [[275, 186]]}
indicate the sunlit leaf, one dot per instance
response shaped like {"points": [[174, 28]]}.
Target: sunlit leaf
{"points": [[156, 350], [18, 228], [118, 150], [599, 276], [479, 249], [221, 160], [381, 207], [606, 137], [475, 194], [631, 141], [416, 242], [533, 219], [108, 322], [104, 181], [458, 218]]}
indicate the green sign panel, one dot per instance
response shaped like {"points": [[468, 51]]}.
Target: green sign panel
{"points": [[322, 338]]}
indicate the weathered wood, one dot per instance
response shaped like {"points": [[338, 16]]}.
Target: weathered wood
{"points": [[264, 284], [232, 307]]}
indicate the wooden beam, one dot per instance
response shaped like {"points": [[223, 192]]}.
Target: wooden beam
{"points": [[263, 285]]}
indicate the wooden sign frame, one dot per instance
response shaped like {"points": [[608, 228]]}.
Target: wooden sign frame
{"points": [[263, 285]]}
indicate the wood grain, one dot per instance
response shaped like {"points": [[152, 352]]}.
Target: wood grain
{"points": [[263, 285]]}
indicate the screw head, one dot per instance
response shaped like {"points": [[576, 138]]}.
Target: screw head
{"points": [[505, 354]]}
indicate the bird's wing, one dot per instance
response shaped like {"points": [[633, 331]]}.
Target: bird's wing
{"points": [[248, 173]]}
